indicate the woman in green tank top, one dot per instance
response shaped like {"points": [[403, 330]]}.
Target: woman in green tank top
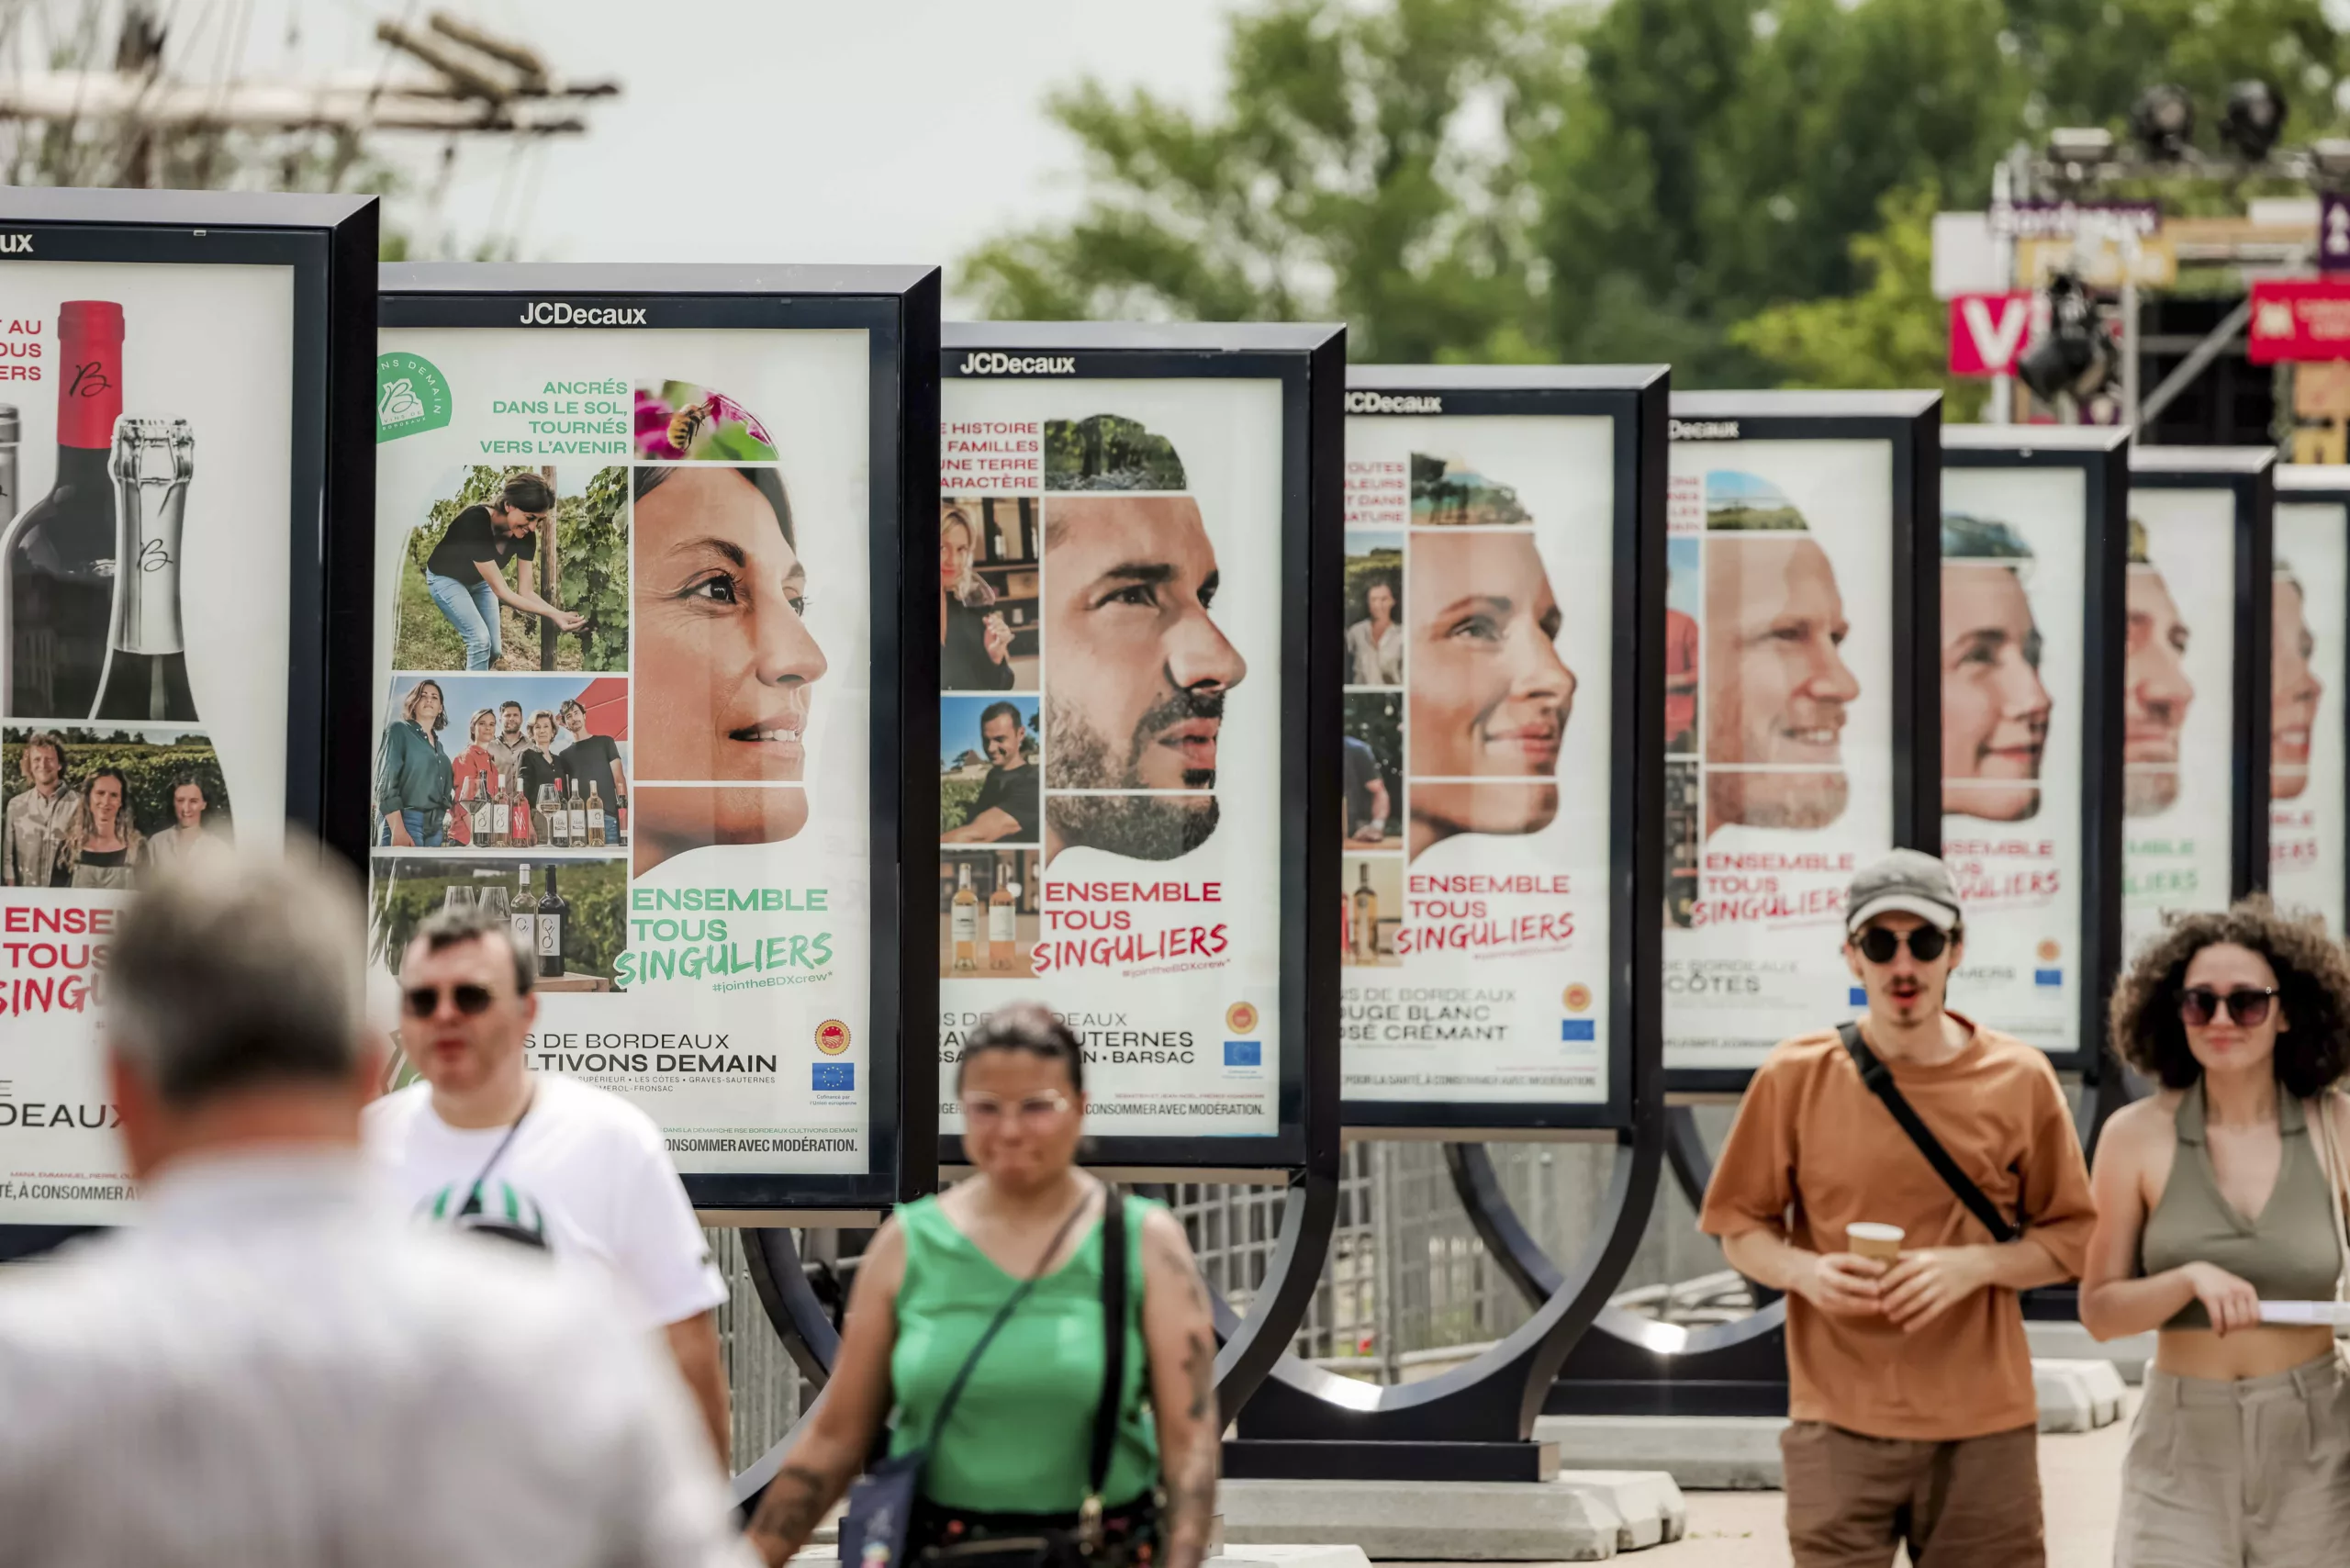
{"points": [[1014, 1451], [2212, 1198]]}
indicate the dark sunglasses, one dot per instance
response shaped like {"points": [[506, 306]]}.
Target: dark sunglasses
{"points": [[2247, 1005], [424, 1001], [1878, 944]]}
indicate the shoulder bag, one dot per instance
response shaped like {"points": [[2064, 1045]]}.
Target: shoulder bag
{"points": [[882, 1506], [1879, 1078]]}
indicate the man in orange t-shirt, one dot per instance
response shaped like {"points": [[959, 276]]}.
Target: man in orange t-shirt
{"points": [[1909, 1384]]}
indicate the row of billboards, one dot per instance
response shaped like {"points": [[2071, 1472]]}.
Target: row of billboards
{"points": [[1451, 749]]}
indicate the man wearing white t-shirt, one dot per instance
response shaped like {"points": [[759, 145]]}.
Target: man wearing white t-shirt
{"points": [[483, 1142]]}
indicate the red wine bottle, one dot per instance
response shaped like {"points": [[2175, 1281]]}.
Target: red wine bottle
{"points": [[61, 558], [553, 910], [146, 668]]}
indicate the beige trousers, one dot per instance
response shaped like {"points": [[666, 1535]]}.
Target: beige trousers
{"points": [[2253, 1473]]}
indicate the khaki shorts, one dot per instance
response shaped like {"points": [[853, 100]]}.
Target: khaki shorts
{"points": [[1966, 1502], [2248, 1473]]}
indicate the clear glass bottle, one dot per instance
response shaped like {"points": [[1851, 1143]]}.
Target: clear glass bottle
{"points": [[964, 920], [1003, 929], [146, 665]]}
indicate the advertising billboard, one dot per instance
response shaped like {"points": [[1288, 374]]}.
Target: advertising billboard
{"points": [[176, 420], [2309, 628], [2195, 697], [638, 576], [1121, 714], [2030, 648], [1802, 529], [1502, 531]]}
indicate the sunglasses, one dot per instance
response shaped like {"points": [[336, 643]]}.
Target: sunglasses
{"points": [[2247, 1005], [987, 1111], [424, 1001], [1878, 944]]}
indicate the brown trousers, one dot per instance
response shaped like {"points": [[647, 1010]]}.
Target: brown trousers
{"points": [[1967, 1503]]}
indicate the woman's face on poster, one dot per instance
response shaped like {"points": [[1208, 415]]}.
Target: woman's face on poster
{"points": [[2294, 690], [727, 663], [1381, 600], [1489, 696], [484, 728], [543, 732], [187, 805], [1995, 707], [428, 705], [954, 549], [105, 800]]}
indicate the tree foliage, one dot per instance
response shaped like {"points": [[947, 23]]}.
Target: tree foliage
{"points": [[1508, 179]]}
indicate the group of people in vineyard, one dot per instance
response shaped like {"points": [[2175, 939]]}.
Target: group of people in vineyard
{"points": [[62, 832], [426, 798]]}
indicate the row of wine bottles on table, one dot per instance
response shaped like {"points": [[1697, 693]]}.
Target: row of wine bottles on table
{"points": [[90, 573], [536, 919], [1003, 930], [501, 815]]}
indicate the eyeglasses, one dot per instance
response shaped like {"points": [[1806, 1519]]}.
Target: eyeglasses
{"points": [[1878, 944], [2247, 1005], [424, 1001], [987, 1111]]}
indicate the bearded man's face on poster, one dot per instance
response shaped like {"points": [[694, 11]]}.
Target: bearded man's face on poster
{"points": [[1137, 675]]}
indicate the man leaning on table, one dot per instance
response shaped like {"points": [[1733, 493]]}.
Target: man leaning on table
{"points": [[1909, 1382]]}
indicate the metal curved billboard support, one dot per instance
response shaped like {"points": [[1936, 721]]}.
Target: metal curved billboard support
{"points": [[1629, 1362], [1458, 1424]]}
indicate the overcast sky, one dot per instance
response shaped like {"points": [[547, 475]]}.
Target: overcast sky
{"points": [[832, 131]]}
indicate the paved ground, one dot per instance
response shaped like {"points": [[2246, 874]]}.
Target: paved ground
{"points": [[2080, 1484]]}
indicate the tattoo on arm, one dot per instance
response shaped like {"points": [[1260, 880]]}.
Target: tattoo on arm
{"points": [[791, 1509]]}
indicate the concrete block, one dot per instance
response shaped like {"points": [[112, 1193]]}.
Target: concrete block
{"points": [[2071, 1342], [1586, 1517], [2075, 1397], [1289, 1557], [1702, 1453]]}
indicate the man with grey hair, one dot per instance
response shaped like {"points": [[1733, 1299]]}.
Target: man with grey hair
{"points": [[275, 1367]]}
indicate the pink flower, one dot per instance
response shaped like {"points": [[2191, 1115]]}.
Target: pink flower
{"points": [[728, 412], [653, 418]]}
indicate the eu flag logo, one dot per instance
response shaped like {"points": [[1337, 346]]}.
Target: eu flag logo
{"points": [[2048, 977], [1244, 1053], [834, 1077], [1576, 1029]]}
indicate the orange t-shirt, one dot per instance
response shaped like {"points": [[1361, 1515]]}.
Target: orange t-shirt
{"points": [[1813, 1150]]}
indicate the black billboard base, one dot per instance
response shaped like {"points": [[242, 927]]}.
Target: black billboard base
{"points": [[1280, 1458]]}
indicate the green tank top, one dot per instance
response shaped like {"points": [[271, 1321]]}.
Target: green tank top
{"points": [[2286, 1252], [1023, 1431]]}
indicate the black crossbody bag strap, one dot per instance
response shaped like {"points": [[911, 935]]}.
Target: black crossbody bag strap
{"points": [[1114, 1367], [1879, 1078]]}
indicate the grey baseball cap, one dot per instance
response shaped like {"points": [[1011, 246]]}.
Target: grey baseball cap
{"points": [[1909, 880]]}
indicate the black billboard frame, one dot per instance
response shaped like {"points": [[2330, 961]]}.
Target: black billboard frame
{"points": [[1634, 399], [1910, 423], [2100, 454], [328, 244], [897, 308]]}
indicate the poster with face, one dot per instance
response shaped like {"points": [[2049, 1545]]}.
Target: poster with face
{"points": [[2177, 706], [1779, 760], [1110, 625], [625, 655], [2014, 586], [2310, 624], [144, 636], [1479, 590]]}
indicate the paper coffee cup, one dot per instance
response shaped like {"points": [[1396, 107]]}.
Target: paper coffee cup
{"points": [[1869, 1240]]}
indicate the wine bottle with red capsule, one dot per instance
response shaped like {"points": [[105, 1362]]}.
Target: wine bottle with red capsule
{"points": [[60, 561]]}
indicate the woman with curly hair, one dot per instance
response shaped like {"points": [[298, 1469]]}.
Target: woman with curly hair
{"points": [[104, 847], [2212, 1197]]}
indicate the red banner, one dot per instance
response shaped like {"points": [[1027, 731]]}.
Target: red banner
{"points": [[1987, 332], [2299, 319]]}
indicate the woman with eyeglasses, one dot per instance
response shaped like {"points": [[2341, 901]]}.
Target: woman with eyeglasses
{"points": [[2213, 1198], [1009, 1469]]}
